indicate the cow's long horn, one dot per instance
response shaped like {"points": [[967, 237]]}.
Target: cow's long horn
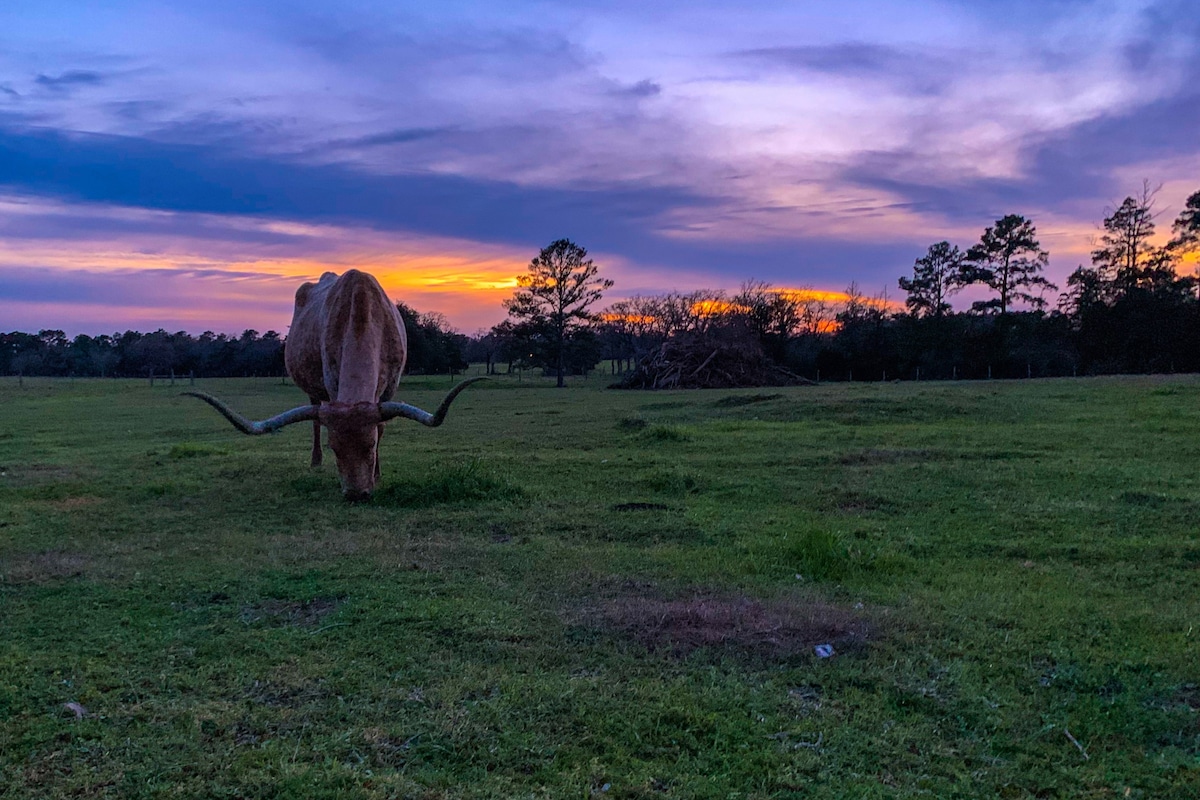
{"points": [[390, 410], [298, 414]]}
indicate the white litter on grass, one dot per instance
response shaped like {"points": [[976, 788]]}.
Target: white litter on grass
{"points": [[75, 708], [823, 650]]}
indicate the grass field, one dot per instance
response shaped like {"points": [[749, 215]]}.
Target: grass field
{"points": [[588, 593]]}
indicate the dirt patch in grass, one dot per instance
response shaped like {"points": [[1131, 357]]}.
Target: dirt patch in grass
{"points": [[39, 568], [1185, 697], [780, 628], [72, 503], [34, 474], [293, 613]]}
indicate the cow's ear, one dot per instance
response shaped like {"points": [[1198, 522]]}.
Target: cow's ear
{"points": [[302, 295]]}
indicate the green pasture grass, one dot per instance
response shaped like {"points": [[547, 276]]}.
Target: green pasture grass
{"points": [[595, 593]]}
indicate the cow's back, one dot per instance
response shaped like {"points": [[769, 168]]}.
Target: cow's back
{"points": [[302, 351], [349, 340]]}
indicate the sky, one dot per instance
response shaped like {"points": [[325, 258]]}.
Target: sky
{"points": [[188, 165]]}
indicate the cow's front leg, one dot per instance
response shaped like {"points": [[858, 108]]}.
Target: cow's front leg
{"points": [[378, 443], [316, 449]]}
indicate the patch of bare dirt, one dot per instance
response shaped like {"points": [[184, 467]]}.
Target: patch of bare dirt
{"points": [[777, 628], [1185, 697], [72, 503], [44, 567], [34, 474], [295, 613]]}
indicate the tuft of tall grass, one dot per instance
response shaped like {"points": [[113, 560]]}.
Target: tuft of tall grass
{"points": [[676, 482], [666, 433], [195, 450], [823, 555], [467, 482]]}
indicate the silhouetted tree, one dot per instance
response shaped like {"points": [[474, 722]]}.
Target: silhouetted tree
{"points": [[1186, 229], [1130, 311], [1126, 259], [1007, 260], [935, 276], [433, 347], [555, 298], [771, 316]]}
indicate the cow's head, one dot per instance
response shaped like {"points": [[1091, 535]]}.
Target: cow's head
{"points": [[354, 431]]}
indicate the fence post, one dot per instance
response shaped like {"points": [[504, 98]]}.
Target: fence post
{"points": [[192, 378], [152, 377]]}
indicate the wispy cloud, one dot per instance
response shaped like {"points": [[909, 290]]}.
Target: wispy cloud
{"points": [[71, 79]]}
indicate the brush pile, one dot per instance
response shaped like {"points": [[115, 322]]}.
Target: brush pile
{"points": [[699, 364]]}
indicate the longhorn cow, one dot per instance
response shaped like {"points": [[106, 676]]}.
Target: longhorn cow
{"points": [[346, 349]]}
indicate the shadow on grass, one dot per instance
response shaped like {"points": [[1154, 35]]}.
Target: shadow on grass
{"points": [[735, 400]]}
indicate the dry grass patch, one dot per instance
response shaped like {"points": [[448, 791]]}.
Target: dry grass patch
{"points": [[72, 503], [293, 613], [34, 474], [306, 546], [420, 550], [44, 567], [779, 628]]}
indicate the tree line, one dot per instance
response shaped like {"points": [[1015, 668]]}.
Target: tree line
{"points": [[433, 347], [1132, 310]]}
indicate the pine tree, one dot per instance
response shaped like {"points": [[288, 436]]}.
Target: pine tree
{"points": [[1007, 260], [555, 296], [935, 276]]}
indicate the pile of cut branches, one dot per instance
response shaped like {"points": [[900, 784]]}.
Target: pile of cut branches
{"points": [[701, 364]]}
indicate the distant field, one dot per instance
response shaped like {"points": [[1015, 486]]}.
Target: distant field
{"points": [[590, 593]]}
